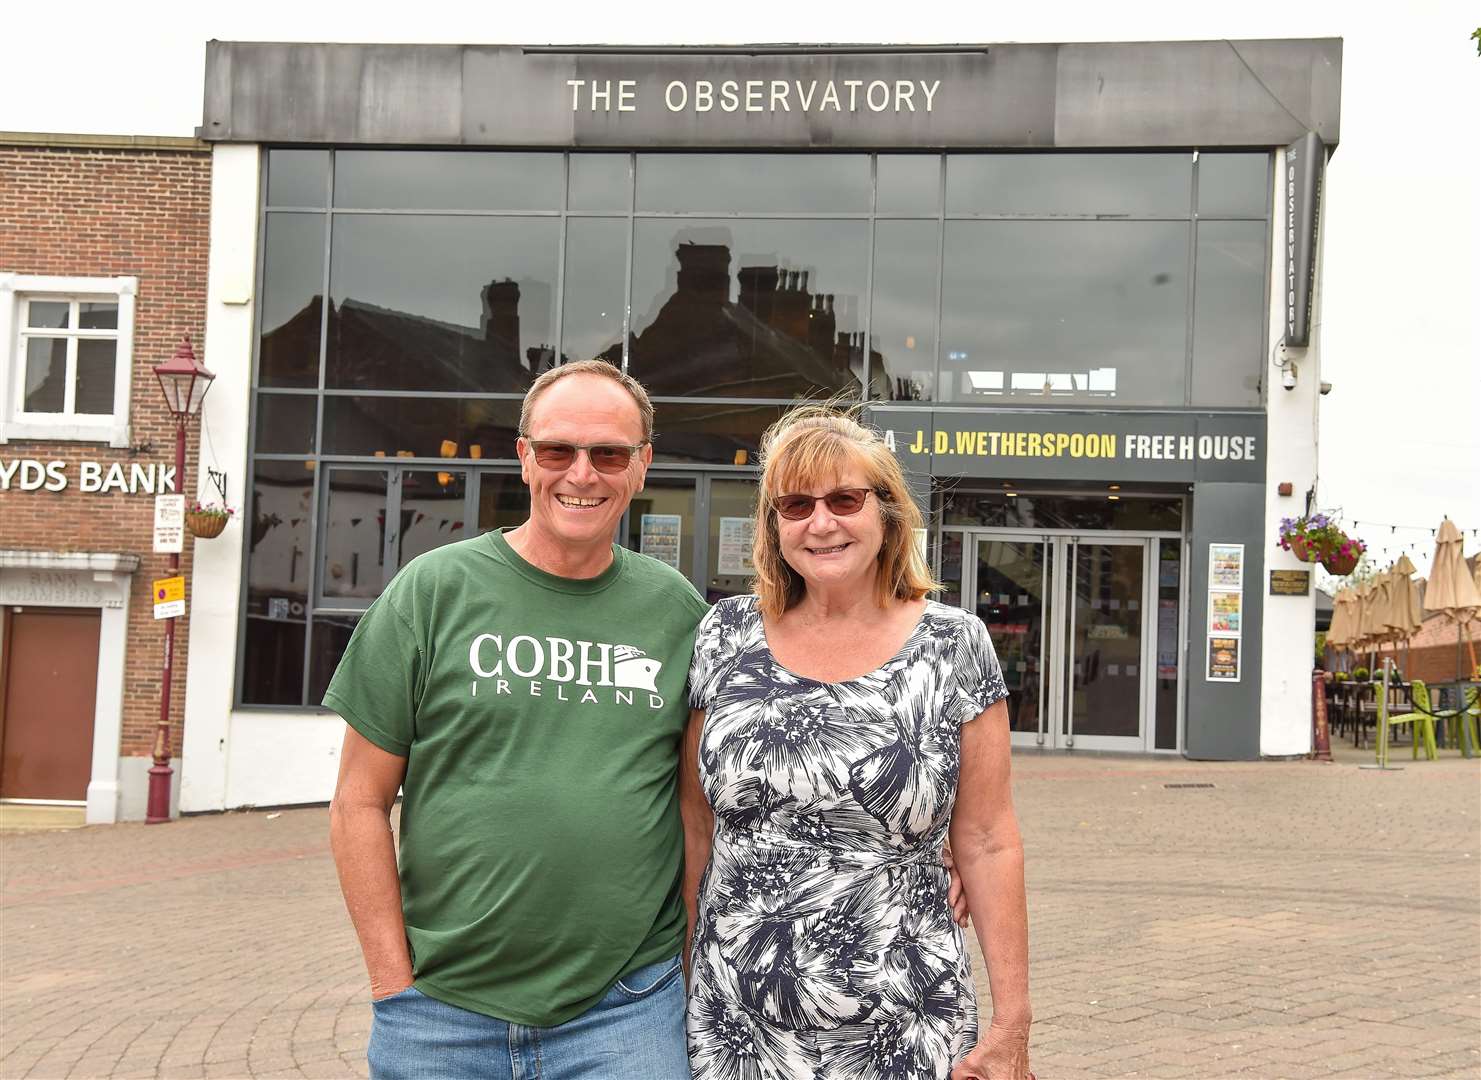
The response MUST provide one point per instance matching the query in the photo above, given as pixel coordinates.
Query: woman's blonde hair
(817, 444)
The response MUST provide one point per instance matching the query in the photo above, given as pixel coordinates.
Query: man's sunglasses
(604, 457)
(845, 502)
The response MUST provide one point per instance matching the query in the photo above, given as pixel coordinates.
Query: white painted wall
(1287, 644)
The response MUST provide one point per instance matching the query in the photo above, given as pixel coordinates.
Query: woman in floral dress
(844, 727)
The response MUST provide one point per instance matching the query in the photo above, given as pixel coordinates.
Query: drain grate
(1186, 785)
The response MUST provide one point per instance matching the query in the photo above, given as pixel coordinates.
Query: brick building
(103, 265)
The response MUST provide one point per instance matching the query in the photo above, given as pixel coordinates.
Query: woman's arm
(699, 822)
(989, 856)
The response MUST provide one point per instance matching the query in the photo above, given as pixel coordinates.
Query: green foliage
(1341, 676)
(1360, 674)
(1476, 37)
(1321, 648)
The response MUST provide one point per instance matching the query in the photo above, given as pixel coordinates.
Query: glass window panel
(46, 375)
(442, 303)
(1234, 184)
(908, 184)
(418, 427)
(95, 370)
(297, 177)
(353, 536)
(596, 279)
(732, 530)
(1044, 312)
(668, 534)
(1169, 588)
(710, 434)
(754, 183)
(286, 423)
(292, 300)
(600, 182)
(902, 358)
(1031, 511)
(331, 639)
(277, 583)
(759, 309)
(1074, 184)
(97, 315)
(49, 314)
(447, 180)
(1229, 312)
(503, 500)
(432, 511)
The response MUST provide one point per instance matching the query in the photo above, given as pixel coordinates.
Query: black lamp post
(184, 381)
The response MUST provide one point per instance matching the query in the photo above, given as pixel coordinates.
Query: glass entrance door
(1068, 617)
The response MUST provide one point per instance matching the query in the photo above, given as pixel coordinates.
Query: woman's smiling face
(828, 549)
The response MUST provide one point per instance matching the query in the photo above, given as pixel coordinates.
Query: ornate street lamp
(184, 381)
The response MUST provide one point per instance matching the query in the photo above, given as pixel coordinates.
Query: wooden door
(48, 694)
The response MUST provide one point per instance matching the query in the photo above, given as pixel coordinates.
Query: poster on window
(736, 536)
(1223, 659)
(1223, 612)
(1167, 639)
(1226, 567)
(658, 537)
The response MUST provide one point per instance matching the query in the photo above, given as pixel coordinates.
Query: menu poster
(659, 537)
(1223, 659)
(1226, 566)
(737, 534)
(1223, 612)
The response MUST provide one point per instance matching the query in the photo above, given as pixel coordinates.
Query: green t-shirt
(541, 845)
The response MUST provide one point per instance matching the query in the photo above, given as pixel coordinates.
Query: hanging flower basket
(1343, 561)
(207, 520)
(1316, 538)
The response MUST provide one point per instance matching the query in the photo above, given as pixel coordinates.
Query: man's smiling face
(578, 508)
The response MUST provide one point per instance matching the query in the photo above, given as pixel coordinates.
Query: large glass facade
(409, 297)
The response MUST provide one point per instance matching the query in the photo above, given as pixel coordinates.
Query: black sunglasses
(604, 457)
(845, 502)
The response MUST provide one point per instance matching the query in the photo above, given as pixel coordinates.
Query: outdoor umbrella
(1403, 616)
(1339, 634)
(1451, 589)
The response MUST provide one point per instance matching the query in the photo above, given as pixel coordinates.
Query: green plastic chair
(1423, 718)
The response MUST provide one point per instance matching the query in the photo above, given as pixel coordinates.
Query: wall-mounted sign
(1031, 444)
(133, 478)
(1301, 199)
(169, 598)
(169, 524)
(1290, 583)
(1225, 611)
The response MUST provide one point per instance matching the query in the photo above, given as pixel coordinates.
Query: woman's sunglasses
(845, 502)
(604, 457)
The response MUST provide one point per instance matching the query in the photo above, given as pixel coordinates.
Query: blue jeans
(637, 1029)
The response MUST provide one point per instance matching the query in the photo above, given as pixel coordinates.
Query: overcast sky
(1401, 431)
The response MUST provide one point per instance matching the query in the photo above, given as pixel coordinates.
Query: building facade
(102, 273)
(1077, 286)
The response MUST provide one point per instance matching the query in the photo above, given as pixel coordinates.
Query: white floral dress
(825, 948)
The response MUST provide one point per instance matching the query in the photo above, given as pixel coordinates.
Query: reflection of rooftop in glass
(985, 380)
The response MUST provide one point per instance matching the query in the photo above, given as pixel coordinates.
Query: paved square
(1275, 919)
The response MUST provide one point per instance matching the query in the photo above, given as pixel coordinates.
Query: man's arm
(365, 856)
(699, 822)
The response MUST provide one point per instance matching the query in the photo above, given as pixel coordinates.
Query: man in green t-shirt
(525, 692)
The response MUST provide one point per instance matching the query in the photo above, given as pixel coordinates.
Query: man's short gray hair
(588, 367)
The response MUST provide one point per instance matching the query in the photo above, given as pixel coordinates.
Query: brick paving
(1293, 920)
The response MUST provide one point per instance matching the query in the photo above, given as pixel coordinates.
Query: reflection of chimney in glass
(499, 322)
(822, 325)
(704, 269)
(758, 286)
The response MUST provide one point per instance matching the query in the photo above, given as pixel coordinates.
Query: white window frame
(15, 423)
